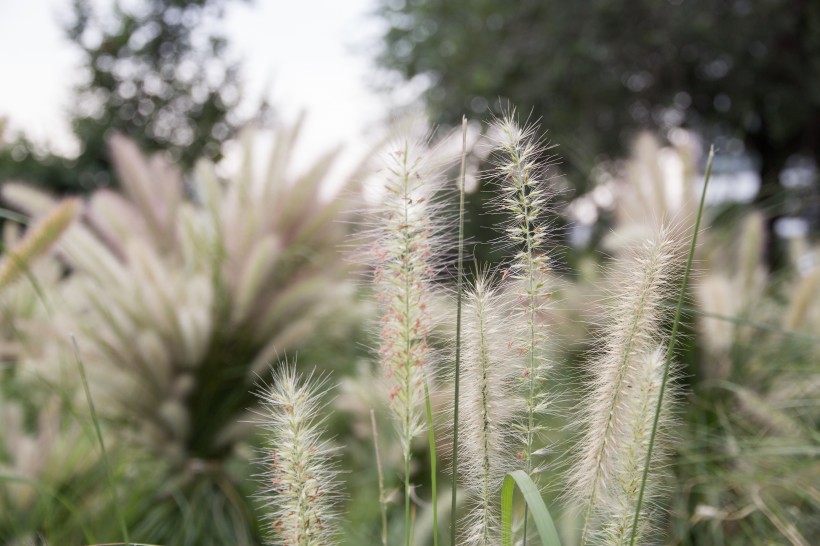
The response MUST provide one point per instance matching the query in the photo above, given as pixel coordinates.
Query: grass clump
(177, 318)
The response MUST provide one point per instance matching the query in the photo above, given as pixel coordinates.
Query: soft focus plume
(617, 415)
(490, 407)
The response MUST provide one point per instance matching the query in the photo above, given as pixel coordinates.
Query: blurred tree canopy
(597, 71)
(157, 71)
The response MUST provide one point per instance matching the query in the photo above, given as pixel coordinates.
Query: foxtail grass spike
(488, 411)
(301, 485)
(40, 237)
(626, 374)
(406, 238)
(520, 170)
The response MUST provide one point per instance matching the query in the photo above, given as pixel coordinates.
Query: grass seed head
(301, 487)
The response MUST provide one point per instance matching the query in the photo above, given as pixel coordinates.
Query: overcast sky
(313, 55)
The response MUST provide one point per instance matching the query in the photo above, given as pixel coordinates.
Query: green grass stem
(671, 347)
(382, 498)
(431, 435)
(408, 526)
(109, 474)
(459, 281)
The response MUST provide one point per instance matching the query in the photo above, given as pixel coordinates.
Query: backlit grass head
(406, 241)
(491, 409)
(521, 176)
(618, 411)
(36, 242)
(301, 489)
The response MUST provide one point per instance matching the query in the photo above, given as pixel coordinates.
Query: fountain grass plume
(407, 233)
(488, 410)
(37, 241)
(406, 238)
(521, 163)
(617, 512)
(626, 371)
(301, 487)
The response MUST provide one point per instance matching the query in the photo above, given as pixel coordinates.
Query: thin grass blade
(460, 277)
(671, 347)
(106, 462)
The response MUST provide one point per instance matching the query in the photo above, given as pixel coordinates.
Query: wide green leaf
(535, 504)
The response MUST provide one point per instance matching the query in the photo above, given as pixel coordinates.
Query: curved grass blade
(7, 214)
(535, 504)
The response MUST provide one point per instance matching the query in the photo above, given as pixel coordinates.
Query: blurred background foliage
(157, 71)
(742, 73)
(182, 280)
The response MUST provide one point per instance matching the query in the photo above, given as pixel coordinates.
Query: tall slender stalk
(408, 528)
(431, 437)
(671, 347)
(106, 462)
(457, 364)
(382, 498)
(408, 401)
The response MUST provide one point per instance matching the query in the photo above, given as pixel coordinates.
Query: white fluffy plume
(490, 409)
(619, 410)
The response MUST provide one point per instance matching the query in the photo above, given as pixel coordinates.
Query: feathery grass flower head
(301, 487)
(490, 409)
(407, 234)
(37, 241)
(626, 371)
(521, 166)
(635, 416)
